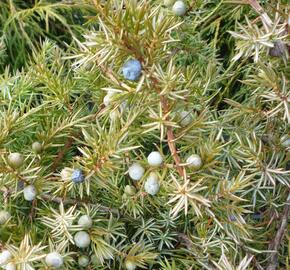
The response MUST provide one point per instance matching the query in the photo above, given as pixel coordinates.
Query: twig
(61, 154)
(50, 198)
(33, 210)
(171, 138)
(276, 242)
(258, 8)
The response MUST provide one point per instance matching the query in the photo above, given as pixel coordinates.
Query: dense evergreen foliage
(144, 134)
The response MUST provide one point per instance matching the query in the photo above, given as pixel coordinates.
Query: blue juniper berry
(132, 70)
(232, 218)
(77, 176)
(257, 216)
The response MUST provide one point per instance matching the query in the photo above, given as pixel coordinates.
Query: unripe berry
(95, 260)
(194, 161)
(82, 239)
(83, 260)
(65, 173)
(85, 221)
(4, 216)
(155, 159)
(5, 256)
(130, 190)
(54, 259)
(152, 185)
(179, 8)
(29, 193)
(108, 97)
(130, 265)
(168, 3)
(185, 118)
(107, 100)
(132, 70)
(136, 171)
(10, 266)
(77, 176)
(36, 147)
(15, 160)
(285, 141)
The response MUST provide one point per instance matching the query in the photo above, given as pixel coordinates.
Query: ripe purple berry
(132, 70)
(278, 50)
(257, 216)
(77, 176)
(232, 218)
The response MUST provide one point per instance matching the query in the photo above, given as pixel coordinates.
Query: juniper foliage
(214, 87)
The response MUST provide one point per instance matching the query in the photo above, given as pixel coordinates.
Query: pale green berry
(130, 190)
(29, 193)
(82, 239)
(108, 98)
(185, 118)
(36, 147)
(54, 259)
(5, 256)
(130, 265)
(15, 160)
(95, 260)
(4, 216)
(194, 161)
(83, 260)
(152, 185)
(285, 141)
(66, 173)
(179, 8)
(85, 221)
(155, 159)
(136, 171)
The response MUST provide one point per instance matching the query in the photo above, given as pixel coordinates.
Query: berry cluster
(136, 172)
(155, 159)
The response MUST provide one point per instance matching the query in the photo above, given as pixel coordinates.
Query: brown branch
(61, 154)
(32, 210)
(276, 242)
(171, 138)
(50, 198)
